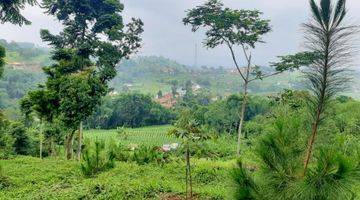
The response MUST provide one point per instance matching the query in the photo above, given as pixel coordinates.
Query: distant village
(169, 99)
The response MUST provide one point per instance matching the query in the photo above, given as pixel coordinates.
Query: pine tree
(10, 11)
(330, 38)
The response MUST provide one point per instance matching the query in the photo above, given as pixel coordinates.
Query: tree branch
(234, 59)
(266, 76)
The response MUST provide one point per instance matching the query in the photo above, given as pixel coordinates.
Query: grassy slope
(32, 178)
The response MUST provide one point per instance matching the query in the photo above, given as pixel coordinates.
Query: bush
(120, 152)
(4, 180)
(6, 145)
(6, 141)
(205, 175)
(22, 144)
(145, 155)
(122, 133)
(96, 159)
(217, 148)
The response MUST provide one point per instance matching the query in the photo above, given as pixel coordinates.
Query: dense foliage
(280, 151)
(130, 110)
(222, 116)
(96, 159)
(10, 11)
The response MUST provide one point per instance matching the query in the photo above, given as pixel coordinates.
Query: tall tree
(330, 38)
(238, 28)
(86, 52)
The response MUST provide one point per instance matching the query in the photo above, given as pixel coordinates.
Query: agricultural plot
(149, 136)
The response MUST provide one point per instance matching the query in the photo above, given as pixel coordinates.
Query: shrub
(145, 155)
(217, 148)
(97, 159)
(120, 152)
(205, 175)
(6, 145)
(4, 180)
(22, 144)
(122, 133)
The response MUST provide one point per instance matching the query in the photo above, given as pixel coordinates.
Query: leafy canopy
(224, 25)
(10, 11)
(86, 52)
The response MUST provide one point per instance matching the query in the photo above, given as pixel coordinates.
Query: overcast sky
(165, 34)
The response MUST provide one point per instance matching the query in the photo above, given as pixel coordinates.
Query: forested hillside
(25, 55)
(147, 75)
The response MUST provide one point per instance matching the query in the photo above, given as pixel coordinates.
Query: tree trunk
(69, 145)
(311, 141)
(190, 179)
(52, 148)
(80, 142)
(241, 122)
(320, 105)
(188, 175)
(41, 139)
(41, 147)
(243, 106)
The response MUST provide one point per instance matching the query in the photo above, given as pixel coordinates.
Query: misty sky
(165, 34)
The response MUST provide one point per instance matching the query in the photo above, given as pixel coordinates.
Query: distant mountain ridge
(25, 55)
(149, 74)
(152, 64)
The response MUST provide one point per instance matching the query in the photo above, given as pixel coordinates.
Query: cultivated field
(150, 136)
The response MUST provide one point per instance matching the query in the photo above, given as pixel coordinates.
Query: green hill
(25, 56)
(144, 74)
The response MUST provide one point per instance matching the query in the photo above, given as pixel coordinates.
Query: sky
(165, 35)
